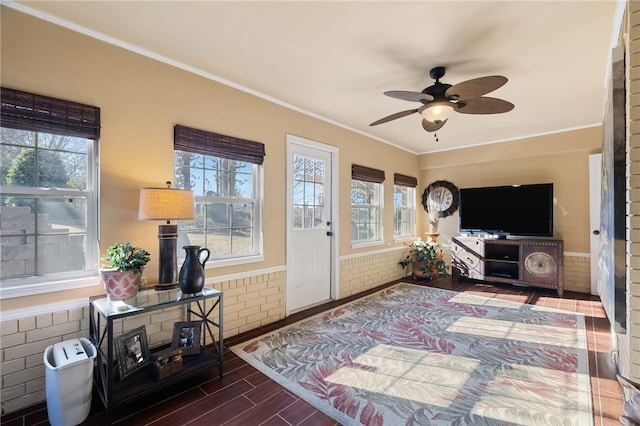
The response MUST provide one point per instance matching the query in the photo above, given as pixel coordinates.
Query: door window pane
(308, 192)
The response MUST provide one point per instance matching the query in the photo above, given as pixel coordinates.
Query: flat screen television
(521, 210)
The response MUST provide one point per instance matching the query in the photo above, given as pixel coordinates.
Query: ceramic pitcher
(191, 277)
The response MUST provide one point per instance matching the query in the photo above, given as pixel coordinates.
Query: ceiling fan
(440, 100)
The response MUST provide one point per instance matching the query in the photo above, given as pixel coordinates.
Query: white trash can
(69, 381)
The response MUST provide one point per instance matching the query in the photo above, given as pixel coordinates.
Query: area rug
(413, 355)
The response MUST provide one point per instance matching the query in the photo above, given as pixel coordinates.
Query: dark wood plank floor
(245, 396)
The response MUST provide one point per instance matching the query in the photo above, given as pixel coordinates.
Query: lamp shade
(166, 204)
(437, 112)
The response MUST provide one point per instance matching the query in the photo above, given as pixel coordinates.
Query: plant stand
(417, 273)
(102, 316)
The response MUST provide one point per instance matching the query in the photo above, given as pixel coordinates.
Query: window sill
(367, 244)
(404, 239)
(21, 289)
(219, 263)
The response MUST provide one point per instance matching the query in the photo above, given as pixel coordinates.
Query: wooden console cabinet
(535, 263)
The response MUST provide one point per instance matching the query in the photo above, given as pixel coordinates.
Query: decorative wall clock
(540, 264)
(449, 197)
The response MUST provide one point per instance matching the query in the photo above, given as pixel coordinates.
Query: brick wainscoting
(250, 302)
(577, 272)
(362, 272)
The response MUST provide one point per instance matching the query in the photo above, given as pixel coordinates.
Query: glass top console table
(103, 313)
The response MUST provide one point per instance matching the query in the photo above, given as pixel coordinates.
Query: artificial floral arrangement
(427, 259)
(122, 272)
(125, 257)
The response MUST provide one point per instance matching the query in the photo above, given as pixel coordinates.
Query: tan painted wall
(562, 159)
(141, 99)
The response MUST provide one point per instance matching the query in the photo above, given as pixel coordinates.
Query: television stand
(535, 263)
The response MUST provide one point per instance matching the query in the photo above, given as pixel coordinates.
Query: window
(48, 206)
(404, 203)
(308, 192)
(225, 175)
(366, 204)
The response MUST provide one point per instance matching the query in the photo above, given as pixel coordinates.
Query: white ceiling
(334, 59)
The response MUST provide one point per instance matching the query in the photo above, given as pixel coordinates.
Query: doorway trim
(595, 185)
(335, 225)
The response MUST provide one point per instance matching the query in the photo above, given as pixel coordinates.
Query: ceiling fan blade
(409, 96)
(485, 105)
(432, 127)
(476, 87)
(394, 116)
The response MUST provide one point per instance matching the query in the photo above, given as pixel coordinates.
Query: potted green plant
(426, 259)
(122, 271)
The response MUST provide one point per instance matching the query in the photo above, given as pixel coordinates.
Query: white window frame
(26, 286)
(216, 259)
(409, 209)
(380, 209)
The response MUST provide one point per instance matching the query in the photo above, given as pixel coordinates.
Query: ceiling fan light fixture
(440, 100)
(437, 112)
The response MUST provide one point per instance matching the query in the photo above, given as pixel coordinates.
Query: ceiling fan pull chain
(435, 135)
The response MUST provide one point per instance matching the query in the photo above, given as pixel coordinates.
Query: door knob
(596, 232)
(329, 233)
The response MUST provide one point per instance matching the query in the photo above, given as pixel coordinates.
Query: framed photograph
(186, 336)
(132, 351)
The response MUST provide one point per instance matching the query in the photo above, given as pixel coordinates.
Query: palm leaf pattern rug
(413, 355)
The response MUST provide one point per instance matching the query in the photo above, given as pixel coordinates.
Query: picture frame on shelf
(132, 351)
(186, 336)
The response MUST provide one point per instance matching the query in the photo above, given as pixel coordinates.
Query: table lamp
(166, 204)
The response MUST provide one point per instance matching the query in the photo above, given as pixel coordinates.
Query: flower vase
(120, 285)
(432, 237)
(191, 276)
(417, 270)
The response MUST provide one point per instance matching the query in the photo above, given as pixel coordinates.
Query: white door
(310, 227)
(595, 179)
